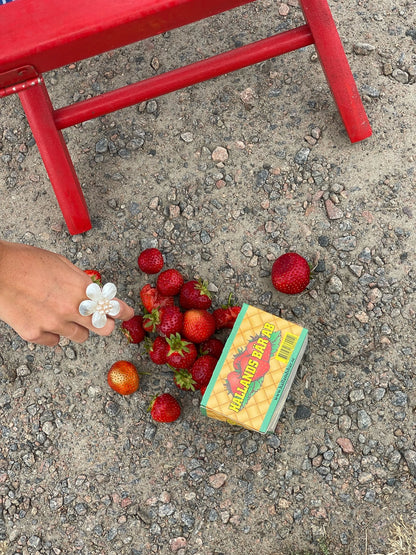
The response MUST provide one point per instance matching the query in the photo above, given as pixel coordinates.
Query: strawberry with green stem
(182, 353)
(183, 379)
(226, 315)
(95, 276)
(195, 294)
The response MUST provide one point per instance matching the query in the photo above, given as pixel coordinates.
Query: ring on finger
(100, 303)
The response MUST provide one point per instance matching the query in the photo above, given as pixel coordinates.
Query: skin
(40, 292)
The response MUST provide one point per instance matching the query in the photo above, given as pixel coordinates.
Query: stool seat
(42, 35)
(48, 34)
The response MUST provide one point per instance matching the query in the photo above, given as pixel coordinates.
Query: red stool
(42, 35)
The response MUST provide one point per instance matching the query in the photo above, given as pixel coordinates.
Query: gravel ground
(223, 177)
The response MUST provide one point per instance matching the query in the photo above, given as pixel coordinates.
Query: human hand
(40, 293)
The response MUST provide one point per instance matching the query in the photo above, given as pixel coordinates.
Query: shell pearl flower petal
(100, 303)
(115, 308)
(94, 292)
(99, 320)
(86, 308)
(109, 291)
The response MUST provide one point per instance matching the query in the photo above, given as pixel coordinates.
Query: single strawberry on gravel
(133, 329)
(123, 377)
(290, 273)
(165, 408)
(169, 282)
(198, 325)
(150, 261)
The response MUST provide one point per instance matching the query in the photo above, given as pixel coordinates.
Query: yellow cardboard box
(253, 377)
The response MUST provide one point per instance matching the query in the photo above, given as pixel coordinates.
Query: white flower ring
(100, 303)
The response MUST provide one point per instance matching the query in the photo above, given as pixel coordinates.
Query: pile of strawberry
(178, 324)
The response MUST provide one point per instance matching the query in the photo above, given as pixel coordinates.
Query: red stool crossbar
(42, 35)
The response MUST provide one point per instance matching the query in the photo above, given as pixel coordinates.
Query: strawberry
(182, 353)
(183, 379)
(150, 261)
(151, 320)
(202, 370)
(171, 320)
(158, 350)
(226, 315)
(203, 389)
(169, 282)
(123, 377)
(198, 325)
(290, 273)
(212, 346)
(133, 329)
(165, 408)
(95, 276)
(151, 298)
(195, 294)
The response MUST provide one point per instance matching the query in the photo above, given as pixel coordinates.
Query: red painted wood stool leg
(336, 68)
(51, 144)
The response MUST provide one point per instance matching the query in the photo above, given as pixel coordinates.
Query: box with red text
(256, 370)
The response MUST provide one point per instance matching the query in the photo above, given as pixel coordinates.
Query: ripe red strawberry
(169, 282)
(212, 346)
(165, 408)
(198, 325)
(290, 273)
(151, 298)
(202, 370)
(203, 389)
(158, 350)
(133, 329)
(183, 379)
(151, 320)
(226, 315)
(95, 276)
(182, 353)
(171, 320)
(150, 261)
(195, 294)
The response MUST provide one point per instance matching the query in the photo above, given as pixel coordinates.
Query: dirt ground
(83, 470)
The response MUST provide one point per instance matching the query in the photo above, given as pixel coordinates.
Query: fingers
(75, 332)
(44, 338)
(126, 312)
